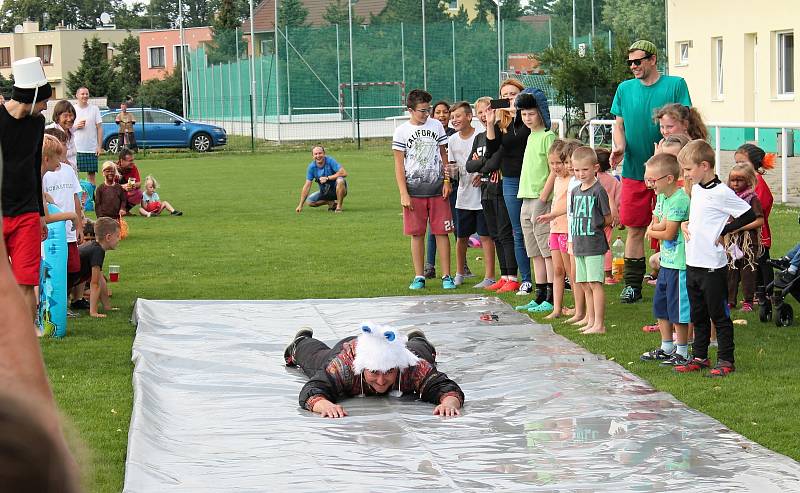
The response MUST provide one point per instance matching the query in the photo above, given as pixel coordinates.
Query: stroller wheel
(785, 316)
(765, 311)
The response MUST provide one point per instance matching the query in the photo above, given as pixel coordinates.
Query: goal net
(371, 100)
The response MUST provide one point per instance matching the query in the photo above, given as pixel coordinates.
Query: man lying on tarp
(377, 362)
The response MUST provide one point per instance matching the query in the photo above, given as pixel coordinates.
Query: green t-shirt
(636, 103)
(673, 208)
(534, 164)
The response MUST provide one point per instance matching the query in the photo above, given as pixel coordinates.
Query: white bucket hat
(29, 73)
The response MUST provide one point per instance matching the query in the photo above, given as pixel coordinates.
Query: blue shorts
(671, 300)
(469, 222)
(317, 196)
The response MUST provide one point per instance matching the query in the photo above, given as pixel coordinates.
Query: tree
(163, 93)
(487, 9)
(133, 16)
(410, 11)
(127, 68)
(226, 35)
(6, 85)
(562, 18)
(337, 13)
(639, 19)
(539, 7)
(292, 13)
(94, 71)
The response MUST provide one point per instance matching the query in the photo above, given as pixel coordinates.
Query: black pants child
(708, 299)
(499, 225)
(313, 355)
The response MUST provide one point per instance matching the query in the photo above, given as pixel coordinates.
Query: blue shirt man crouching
(332, 185)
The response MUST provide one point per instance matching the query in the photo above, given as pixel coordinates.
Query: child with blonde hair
(152, 205)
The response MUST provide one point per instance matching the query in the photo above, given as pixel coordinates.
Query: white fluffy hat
(381, 348)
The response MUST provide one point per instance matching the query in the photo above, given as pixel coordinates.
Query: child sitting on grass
(151, 202)
(109, 197)
(92, 255)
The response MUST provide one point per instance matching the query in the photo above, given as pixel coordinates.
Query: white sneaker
(483, 284)
(525, 289)
(458, 280)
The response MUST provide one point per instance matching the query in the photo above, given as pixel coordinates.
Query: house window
(785, 62)
(156, 57)
(5, 57)
(177, 52)
(718, 68)
(45, 52)
(452, 4)
(683, 52)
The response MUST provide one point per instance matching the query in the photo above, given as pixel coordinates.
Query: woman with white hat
(21, 133)
(378, 361)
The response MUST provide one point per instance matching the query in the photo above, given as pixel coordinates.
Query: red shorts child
(23, 238)
(436, 209)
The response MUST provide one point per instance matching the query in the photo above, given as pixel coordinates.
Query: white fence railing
(783, 126)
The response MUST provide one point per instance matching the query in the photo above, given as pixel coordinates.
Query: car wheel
(112, 145)
(201, 142)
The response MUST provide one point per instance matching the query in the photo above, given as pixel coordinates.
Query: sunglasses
(651, 182)
(637, 62)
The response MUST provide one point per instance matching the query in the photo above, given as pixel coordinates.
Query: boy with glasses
(635, 136)
(420, 154)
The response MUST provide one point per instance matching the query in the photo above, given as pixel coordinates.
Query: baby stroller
(783, 285)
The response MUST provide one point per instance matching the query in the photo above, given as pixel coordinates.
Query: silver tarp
(215, 410)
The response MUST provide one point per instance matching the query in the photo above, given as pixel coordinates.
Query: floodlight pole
(352, 84)
(499, 49)
(574, 28)
(183, 59)
(252, 75)
(277, 71)
(592, 22)
(424, 50)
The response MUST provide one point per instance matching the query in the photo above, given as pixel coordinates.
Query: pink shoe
(652, 282)
(611, 281)
(650, 328)
(747, 306)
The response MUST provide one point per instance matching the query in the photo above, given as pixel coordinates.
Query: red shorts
(23, 239)
(636, 204)
(435, 209)
(73, 258)
(153, 206)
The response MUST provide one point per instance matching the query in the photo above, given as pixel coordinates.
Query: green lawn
(241, 239)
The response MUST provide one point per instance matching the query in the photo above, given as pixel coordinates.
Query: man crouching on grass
(377, 362)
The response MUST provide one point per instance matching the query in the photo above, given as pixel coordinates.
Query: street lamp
(352, 84)
(424, 51)
(183, 59)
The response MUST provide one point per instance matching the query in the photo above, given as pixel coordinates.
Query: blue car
(161, 128)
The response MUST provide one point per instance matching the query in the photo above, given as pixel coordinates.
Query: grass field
(241, 239)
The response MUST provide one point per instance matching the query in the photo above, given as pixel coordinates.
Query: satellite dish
(105, 18)
(18, 28)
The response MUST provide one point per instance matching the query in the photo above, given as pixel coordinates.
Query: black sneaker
(80, 304)
(630, 295)
(418, 334)
(657, 354)
(288, 353)
(675, 360)
(429, 272)
(176, 212)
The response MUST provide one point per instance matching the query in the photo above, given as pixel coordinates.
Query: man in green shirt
(635, 136)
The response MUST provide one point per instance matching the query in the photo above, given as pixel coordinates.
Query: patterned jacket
(338, 379)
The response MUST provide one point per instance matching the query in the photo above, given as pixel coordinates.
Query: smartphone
(499, 103)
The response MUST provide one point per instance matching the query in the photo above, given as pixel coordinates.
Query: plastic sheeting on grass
(215, 410)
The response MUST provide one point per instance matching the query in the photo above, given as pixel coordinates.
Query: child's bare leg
(558, 284)
(167, 206)
(577, 294)
(599, 301)
(588, 320)
(487, 245)
(539, 269)
(461, 254)
(143, 212)
(665, 330)
(417, 253)
(442, 251)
